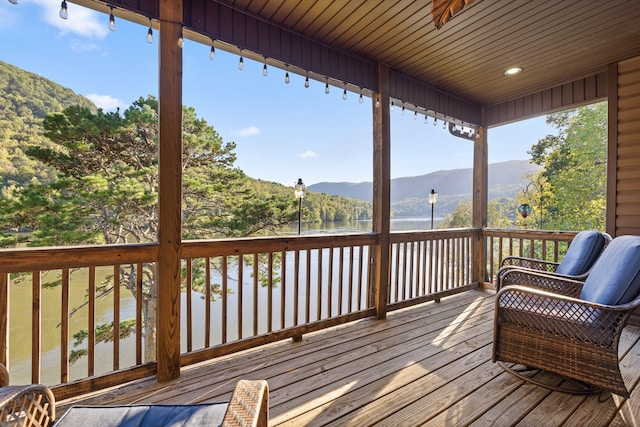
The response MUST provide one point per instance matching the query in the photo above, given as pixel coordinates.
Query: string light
(326, 85)
(415, 115)
(241, 63)
(444, 125)
(377, 101)
(181, 40)
(360, 100)
(306, 81)
(212, 53)
(64, 12)
(344, 94)
(403, 109)
(112, 20)
(435, 121)
(150, 33)
(393, 106)
(264, 70)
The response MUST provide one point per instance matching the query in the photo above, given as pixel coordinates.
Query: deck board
(425, 365)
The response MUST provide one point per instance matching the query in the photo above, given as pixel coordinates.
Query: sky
(282, 131)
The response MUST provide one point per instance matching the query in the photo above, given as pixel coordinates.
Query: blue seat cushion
(615, 278)
(205, 415)
(584, 250)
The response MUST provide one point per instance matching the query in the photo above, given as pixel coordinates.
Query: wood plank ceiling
(554, 41)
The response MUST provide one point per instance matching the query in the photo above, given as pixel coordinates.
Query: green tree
(461, 217)
(106, 192)
(575, 164)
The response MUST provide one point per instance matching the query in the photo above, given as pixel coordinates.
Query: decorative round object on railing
(525, 209)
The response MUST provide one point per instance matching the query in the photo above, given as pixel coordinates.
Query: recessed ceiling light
(512, 71)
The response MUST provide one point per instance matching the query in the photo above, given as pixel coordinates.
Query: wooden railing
(546, 245)
(260, 290)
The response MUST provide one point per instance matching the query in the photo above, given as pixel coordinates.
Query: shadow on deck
(425, 365)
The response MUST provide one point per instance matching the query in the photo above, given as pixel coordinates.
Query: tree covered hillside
(25, 100)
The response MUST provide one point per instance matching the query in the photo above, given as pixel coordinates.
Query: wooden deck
(425, 365)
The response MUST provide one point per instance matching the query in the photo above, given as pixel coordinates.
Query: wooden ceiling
(554, 41)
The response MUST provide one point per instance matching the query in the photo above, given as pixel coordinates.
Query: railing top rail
(401, 236)
(47, 258)
(220, 247)
(566, 236)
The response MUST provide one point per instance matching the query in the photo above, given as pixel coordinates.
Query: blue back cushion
(584, 250)
(615, 278)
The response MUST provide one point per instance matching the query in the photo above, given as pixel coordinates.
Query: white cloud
(79, 46)
(250, 131)
(308, 155)
(106, 102)
(82, 21)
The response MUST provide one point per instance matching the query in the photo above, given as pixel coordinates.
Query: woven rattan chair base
(576, 387)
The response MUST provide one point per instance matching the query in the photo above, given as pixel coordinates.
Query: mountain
(408, 194)
(25, 99)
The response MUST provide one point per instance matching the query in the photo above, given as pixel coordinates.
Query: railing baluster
(296, 283)
(64, 328)
(319, 289)
(283, 289)
(340, 280)
(241, 292)
(116, 317)
(207, 303)
(36, 333)
(91, 344)
(308, 287)
(360, 270)
(411, 260)
(350, 304)
(256, 271)
(224, 297)
(270, 292)
(330, 284)
(139, 277)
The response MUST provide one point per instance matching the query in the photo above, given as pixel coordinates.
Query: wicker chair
(569, 327)
(584, 250)
(25, 405)
(34, 406)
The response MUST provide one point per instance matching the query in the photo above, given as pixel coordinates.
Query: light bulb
(150, 34)
(64, 13)
(477, 135)
(326, 86)
(287, 79)
(403, 110)
(393, 106)
(415, 115)
(212, 54)
(360, 100)
(435, 121)
(264, 70)
(306, 81)
(426, 119)
(112, 21)
(13, 1)
(241, 63)
(377, 102)
(181, 40)
(444, 125)
(344, 94)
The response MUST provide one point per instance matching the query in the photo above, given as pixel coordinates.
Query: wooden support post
(612, 150)
(170, 190)
(381, 192)
(480, 194)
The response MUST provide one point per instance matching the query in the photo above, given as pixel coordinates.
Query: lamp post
(525, 208)
(299, 193)
(433, 196)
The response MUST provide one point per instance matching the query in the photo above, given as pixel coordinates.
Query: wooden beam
(170, 190)
(480, 195)
(381, 192)
(612, 150)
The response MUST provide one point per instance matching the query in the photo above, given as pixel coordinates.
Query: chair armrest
(562, 315)
(555, 283)
(249, 405)
(27, 405)
(534, 264)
